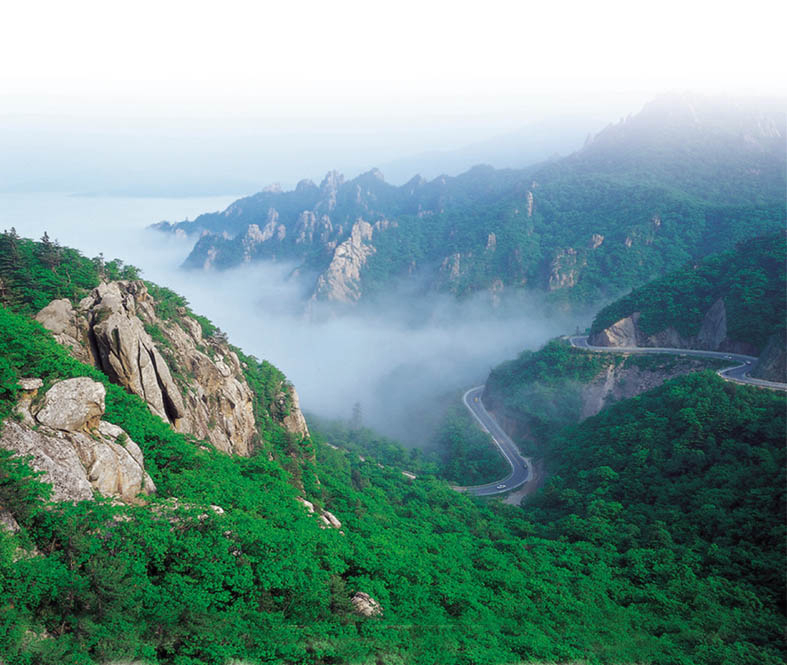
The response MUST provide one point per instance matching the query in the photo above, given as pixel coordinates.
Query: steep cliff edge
(712, 335)
(193, 381)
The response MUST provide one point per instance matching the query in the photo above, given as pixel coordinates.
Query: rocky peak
(111, 329)
(305, 185)
(341, 281)
(332, 181)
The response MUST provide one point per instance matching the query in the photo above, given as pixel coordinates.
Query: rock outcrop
(365, 605)
(565, 268)
(623, 381)
(341, 282)
(329, 520)
(77, 452)
(712, 335)
(772, 363)
(622, 377)
(73, 405)
(113, 329)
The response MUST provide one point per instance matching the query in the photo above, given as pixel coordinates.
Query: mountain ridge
(670, 183)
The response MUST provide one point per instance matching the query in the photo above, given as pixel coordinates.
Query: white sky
(354, 58)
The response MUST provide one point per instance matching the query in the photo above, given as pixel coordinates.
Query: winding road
(522, 468)
(738, 372)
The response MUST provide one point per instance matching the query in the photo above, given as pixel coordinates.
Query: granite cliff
(193, 381)
(76, 451)
(712, 335)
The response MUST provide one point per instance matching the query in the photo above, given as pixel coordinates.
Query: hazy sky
(225, 97)
(282, 58)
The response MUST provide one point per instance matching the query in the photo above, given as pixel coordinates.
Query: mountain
(550, 138)
(135, 530)
(684, 177)
(732, 301)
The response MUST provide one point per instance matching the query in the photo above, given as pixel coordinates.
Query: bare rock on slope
(77, 452)
(341, 281)
(365, 605)
(211, 400)
(712, 335)
(73, 405)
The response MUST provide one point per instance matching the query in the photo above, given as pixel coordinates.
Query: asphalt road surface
(738, 372)
(520, 466)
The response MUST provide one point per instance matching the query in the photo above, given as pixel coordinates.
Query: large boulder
(365, 605)
(73, 405)
(76, 451)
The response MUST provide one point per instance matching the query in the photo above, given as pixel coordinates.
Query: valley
(268, 449)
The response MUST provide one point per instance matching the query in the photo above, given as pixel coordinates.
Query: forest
(749, 278)
(657, 538)
(646, 196)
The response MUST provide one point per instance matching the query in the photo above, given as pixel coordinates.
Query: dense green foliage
(358, 440)
(542, 391)
(457, 451)
(617, 571)
(467, 454)
(750, 279)
(659, 537)
(683, 489)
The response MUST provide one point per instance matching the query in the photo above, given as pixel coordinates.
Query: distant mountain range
(684, 177)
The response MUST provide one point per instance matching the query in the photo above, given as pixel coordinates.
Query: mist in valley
(403, 359)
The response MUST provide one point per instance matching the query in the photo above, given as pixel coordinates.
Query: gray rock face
(620, 333)
(565, 268)
(68, 327)
(618, 382)
(77, 452)
(8, 521)
(294, 421)
(214, 403)
(365, 605)
(341, 282)
(126, 352)
(73, 405)
(772, 363)
(712, 335)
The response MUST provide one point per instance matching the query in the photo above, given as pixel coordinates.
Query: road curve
(521, 468)
(739, 372)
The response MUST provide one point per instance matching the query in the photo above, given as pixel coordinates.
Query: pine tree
(356, 422)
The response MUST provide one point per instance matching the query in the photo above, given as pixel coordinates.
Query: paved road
(739, 372)
(521, 468)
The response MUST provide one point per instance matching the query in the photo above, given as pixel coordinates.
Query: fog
(195, 99)
(188, 156)
(401, 359)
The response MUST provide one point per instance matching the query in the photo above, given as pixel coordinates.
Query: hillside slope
(733, 301)
(214, 557)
